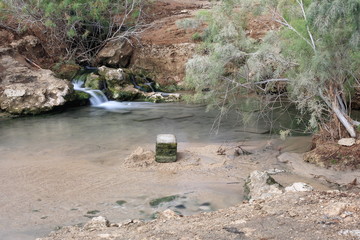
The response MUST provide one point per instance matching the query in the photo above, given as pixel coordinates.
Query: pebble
(347, 142)
(274, 171)
(104, 235)
(352, 233)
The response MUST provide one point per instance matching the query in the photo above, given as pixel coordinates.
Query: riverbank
(325, 213)
(315, 215)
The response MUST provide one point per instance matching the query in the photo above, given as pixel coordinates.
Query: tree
(323, 37)
(317, 52)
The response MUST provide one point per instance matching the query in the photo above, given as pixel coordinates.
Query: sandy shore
(201, 177)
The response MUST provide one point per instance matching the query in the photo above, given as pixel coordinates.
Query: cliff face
(163, 48)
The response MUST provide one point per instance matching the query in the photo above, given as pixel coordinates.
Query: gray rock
(163, 97)
(112, 74)
(27, 91)
(97, 223)
(299, 187)
(260, 185)
(274, 171)
(352, 233)
(347, 142)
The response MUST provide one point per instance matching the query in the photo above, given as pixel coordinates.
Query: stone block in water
(166, 148)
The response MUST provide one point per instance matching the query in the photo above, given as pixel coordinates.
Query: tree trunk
(344, 121)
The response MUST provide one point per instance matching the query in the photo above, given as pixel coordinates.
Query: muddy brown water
(62, 169)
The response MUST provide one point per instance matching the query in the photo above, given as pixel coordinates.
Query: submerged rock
(156, 202)
(24, 90)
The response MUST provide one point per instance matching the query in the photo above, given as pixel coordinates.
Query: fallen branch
(32, 63)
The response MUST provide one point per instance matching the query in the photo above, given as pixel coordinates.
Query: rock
(66, 70)
(299, 187)
(166, 61)
(156, 202)
(158, 97)
(352, 233)
(347, 142)
(97, 223)
(274, 171)
(27, 91)
(168, 214)
(166, 148)
(116, 80)
(27, 42)
(128, 93)
(335, 209)
(120, 202)
(115, 54)
(260, 185)
(283, 158)
(112, 74)
(105, 236)
(94, 81)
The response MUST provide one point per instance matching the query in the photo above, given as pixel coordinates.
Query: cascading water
(97, 96)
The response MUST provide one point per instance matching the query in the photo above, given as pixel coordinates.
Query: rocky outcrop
(127, 85)
(165, 62)
(27, 90)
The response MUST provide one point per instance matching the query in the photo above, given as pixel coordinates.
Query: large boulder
(27, 90)
(115, 54)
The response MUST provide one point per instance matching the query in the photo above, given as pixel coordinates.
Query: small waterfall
(99, 100)
(97, 96)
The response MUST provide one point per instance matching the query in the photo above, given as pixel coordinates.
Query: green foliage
(317, 50)
(82, 26)
(188, 23)
(197, 36)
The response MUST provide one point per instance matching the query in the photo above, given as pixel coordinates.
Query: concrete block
(166, 148)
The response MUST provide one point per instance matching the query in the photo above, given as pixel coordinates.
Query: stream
(64, 168)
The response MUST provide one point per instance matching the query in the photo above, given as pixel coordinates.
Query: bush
(81, 27)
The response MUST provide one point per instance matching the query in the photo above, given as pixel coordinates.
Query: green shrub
(80, 26)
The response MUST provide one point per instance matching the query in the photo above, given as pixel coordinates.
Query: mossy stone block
(165, 159)
(166, 148)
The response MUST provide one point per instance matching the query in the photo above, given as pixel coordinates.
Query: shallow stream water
(61, 169)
